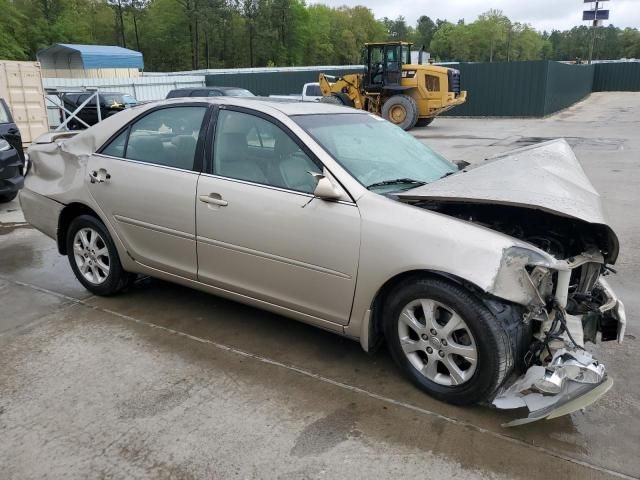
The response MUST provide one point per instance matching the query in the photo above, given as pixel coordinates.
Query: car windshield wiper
(397, 181)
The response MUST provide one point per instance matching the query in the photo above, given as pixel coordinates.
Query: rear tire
(446, 341)
(401, 110)
(7, 197)
(94, 258)
(425, 122)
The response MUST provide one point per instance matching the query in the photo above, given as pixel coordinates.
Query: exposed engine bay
(555, 374)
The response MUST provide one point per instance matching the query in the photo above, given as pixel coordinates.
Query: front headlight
(4, 145)
(524, 275)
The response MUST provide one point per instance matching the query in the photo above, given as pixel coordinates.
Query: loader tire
(401, 110)
(338, 99)
(425, 122)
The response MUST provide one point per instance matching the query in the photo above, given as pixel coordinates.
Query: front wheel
(425, 122)
(94, 258)
(401, 110)
(446, 341)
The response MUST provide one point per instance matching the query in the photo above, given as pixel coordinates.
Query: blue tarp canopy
(91, 56)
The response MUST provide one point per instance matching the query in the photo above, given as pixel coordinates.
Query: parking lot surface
(166, 382)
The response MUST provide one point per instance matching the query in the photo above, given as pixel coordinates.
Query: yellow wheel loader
(402, 92)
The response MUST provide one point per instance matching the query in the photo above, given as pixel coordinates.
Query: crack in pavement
(330, 381)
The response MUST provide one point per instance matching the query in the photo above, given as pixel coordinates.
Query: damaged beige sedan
(485, 283)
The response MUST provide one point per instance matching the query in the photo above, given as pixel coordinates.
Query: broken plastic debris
(570, 377)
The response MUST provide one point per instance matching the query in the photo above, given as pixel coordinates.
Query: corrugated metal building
(65, 60)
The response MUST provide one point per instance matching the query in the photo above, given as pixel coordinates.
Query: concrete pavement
(166, 382)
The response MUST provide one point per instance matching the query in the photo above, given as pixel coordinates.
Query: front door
(261, 233)
(144, 181)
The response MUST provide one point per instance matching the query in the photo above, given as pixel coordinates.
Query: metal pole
(593, 34)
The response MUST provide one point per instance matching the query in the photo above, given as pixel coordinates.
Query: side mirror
(325, 189)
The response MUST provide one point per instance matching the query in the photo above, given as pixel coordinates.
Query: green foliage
(11, 21)
(193, 34)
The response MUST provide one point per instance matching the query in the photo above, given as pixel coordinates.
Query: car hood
(546, 176)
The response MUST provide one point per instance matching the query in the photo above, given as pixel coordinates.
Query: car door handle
(213, 199)
(99, 176)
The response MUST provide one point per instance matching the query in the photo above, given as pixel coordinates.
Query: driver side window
(250, 148)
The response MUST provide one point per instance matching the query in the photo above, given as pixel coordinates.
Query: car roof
(191, 89)
(289, 107)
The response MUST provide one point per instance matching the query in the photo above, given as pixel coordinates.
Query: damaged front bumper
(572, 379)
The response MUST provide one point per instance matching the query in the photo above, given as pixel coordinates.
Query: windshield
(375, 151)
(240, 92)
(117, 98)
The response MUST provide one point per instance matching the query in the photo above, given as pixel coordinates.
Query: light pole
(596, 16)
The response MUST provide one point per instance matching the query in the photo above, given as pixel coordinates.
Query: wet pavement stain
(7, 228)
(327, 432)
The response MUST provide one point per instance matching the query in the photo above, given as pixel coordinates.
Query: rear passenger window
(116, 147)
(166, 137)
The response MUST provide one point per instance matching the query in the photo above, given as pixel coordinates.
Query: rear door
(144, 181)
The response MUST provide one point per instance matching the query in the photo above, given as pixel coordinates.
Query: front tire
(401, 110)
(446, 341)
(94, 258)
(425, 122)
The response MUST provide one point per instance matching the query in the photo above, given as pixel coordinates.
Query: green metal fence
(617, 77)
(500, 89)
(280, 82)
(566, 85)
(522, 89)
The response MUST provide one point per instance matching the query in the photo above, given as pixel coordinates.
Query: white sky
(542, 14)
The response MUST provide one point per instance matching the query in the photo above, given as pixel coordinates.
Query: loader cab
(383, 64)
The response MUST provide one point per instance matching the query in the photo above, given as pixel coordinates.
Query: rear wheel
(446, 340)
(401, 110)
(94, 258)
(425, 122)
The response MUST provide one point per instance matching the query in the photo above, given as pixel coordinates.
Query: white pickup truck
(310, 93)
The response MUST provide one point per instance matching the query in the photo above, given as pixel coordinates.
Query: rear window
(124, 99)
(205, 93)
(239, 92)
(313, 91)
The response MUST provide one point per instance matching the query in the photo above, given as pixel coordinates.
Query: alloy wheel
(91, 255)
(437, 342)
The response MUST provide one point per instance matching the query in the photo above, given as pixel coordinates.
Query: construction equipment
(402, 92)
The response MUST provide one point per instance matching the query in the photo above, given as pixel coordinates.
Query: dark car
(210, 92)
(11, 156)
(110, 104)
